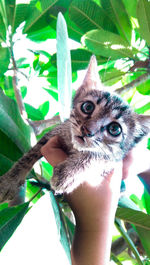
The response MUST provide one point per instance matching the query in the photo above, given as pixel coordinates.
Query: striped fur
(102, 129)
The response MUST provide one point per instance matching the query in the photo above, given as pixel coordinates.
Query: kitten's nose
(86, 132)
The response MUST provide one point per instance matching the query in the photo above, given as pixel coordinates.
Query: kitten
(101, 129)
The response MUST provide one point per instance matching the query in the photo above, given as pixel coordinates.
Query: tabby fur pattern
(101, 130)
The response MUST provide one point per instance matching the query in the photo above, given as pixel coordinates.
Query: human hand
(53, 152)
(133, 162)
(54, 155)
(137, 162)
(96, 196)
(94, 208)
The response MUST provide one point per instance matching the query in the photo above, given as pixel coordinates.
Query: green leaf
(110, 76)
(80, 59)
(125, 202)
(64, 75)
(45, 26)
(60, 226)
(33, 113)
(144, 236)
(21, 63)
(108, 44)
(10, 218)
(47, 170)
(143, 15)
(5, 164)
(9, 10)
(52, 78)
(3, 205)
(7, 86)
(130, 7)
(135, 217)
(144, 88)
(44, 108)
(46, 54)
(137, 201)
(37, 11)
(146, 200)
(32, 190)
(87, 15)
(29, 237)
(2, 29)
(42, 34)
(23, 90)
(9, 153)
(36, 65)
(52, 92)
(74, 31)
(115, 259)
(20, 15)
(132, 76)
(143, 109)
(117, 13)
(129, 241)
(4, 60)
(12, 124)
(71, 228)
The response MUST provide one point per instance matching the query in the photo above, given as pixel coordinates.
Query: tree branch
(141, 79)
(20, 196)
(119, 245)
(15, 86)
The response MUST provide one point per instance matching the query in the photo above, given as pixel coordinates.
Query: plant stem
(15, 82)
(120, 244)
(33, 197)
(141, 79)
(115, 259)
(129, 241)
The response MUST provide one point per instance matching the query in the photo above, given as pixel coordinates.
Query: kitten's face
(101, 122)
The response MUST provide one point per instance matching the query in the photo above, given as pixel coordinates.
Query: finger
(137, 160)
(127, 162)
(52, 151)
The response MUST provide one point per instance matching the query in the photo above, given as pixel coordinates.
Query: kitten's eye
(114, 129)
(87, 107)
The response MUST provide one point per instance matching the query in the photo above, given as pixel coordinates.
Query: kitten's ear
(92, 80)
(144, 120)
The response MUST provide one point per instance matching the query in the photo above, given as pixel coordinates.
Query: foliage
(117, 32)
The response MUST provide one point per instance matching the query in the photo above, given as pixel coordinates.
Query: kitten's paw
(8, 189)
(60, 181)
(57, 179)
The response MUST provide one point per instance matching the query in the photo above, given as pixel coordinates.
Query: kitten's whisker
(103, 150)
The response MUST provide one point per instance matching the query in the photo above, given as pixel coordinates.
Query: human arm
(94, 209)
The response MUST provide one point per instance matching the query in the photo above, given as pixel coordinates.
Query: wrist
(93, 206)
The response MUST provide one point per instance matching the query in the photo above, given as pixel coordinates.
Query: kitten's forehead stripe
(121, 110)
(107, 97)
(99, 101)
